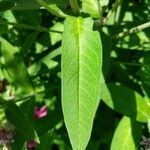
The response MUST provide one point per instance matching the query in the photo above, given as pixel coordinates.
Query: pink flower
(31, 145)
(40, 112)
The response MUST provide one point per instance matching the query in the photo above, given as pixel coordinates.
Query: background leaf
(90, 7)
(144, 73)
(126, 101)
(127, 135)
(21, 122)
(16, 68)
(32, 4)
(6, 5)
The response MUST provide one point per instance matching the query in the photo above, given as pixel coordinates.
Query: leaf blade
(6, 5)
(17, 72)
(20, 121)
(81, 69)
(33, 4)
(127, 135)
(128, 103)
(90, 7)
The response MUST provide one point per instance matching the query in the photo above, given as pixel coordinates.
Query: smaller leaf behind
(127, 135)
(16, 68)
(21, 122)
(90, 7)
(126, 101)
(33, 4)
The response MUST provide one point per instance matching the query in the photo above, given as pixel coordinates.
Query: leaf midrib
(78, 33)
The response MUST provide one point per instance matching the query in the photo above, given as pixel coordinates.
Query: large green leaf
(127, 135)
(16, 68)
(126, 101)
(20, 121)
(81, 73)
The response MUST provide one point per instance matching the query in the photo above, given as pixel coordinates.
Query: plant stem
(115, 6)
(100, 12)
(130, 64)
(127, 63)
(28, 27)
(133, 30)
(24, 98)
(27, 97)
(74, 6)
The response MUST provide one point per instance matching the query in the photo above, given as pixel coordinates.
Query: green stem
(28, 27)
(27, 97)
(133, 30)
(74, 6)
(100, 13)
(24, 98)
(99, 22)
(130, 64)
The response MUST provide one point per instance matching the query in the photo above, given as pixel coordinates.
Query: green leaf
(138, 41)
(52, 8)
(81, 73)
(33, 14)
(126, 101)
(32, 4)
(50, 64)
(56, 11)
(48, 59)
(90, 7)
(6, 5)
(127, 135)
(2, 115)
(148, 125)
(144, 74)
(56, 37)
(16, 67)
(46, 142)
(18, 142)
(29, 40)
(20, 121)
(106, 40)
(104, 3)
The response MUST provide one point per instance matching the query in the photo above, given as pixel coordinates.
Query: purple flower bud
(31, 145)
(40, 112)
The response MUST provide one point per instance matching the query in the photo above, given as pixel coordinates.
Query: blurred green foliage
(30, 62)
